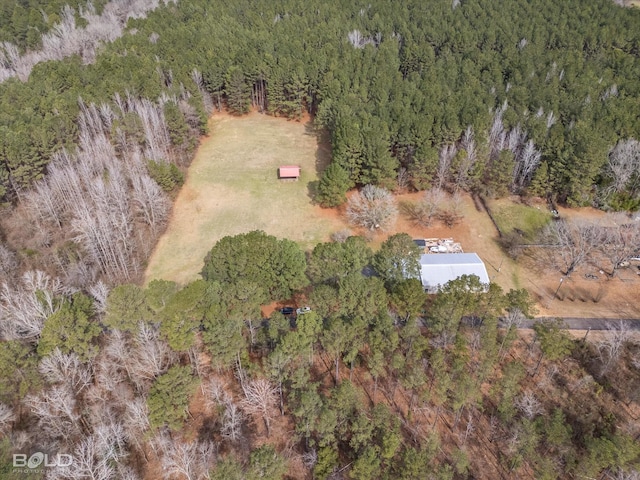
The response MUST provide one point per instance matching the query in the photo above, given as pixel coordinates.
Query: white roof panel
(439, 268)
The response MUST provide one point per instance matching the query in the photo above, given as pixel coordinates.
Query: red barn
(289, 171)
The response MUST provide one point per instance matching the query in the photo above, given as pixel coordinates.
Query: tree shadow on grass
(312, 191)
(323, 143)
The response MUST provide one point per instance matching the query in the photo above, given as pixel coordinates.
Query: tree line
(486, 97)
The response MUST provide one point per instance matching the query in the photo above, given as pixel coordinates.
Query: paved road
(588, 323)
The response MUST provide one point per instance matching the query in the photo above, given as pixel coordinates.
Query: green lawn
(232, 187)
(510, 216)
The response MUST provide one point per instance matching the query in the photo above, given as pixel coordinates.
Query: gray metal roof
(439, 268)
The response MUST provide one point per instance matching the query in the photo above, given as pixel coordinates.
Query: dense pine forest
(394, 84)
(101, 109)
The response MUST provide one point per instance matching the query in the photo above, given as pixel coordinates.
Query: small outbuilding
(437, 270)
(291, 172)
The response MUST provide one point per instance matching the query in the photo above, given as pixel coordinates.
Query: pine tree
(333, 186)
(237, 90)
(168, 399)
(71, 329)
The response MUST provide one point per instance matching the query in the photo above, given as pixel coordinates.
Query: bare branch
(66, 39)
(575, 242)
(188, 461)
(56, 411)
(373, 208)
(24, 307)
(529, 405)
(610, 347)
(66, 369)
(7, 417)
(261, 398)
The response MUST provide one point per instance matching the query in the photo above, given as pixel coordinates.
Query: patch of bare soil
(589, 292)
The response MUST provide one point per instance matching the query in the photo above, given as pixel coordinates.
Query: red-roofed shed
(289, 171)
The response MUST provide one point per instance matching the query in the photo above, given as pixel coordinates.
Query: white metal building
(439, 268)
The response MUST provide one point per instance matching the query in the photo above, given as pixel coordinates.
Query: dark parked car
(287, 310)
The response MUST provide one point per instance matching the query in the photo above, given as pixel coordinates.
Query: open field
(232, 187)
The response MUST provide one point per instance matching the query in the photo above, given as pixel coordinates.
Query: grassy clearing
(232, 187)
(512, 216)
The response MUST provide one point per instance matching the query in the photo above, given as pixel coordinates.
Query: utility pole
(558, 289)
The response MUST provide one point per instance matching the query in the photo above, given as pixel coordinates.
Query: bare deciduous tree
(95, 457)
(622, 474)
(372, 208)
(141, 358)
(232, 420)
(232, 417)
(188, 461)
(151, 202)
(429, 207)
(447, 153)
(526, 156)
(358, 40)
(497, 134)
(66, 369)
(451, 211)
(623, 164)
(403, 178)
(310, 458)
(613, 342)
(136, 421)
(470, 428)
(151, 356)
(511, 322)
(529, 405)
(527, 159)
(66, 38)
(56, 411)
(126, 473)
(115, 355)
(99, 291)
(85, 195)
(261, 398)
(575, 242)
(8, 261)
(7, 417)
(467, 162)
(25, 306)
(620, 243)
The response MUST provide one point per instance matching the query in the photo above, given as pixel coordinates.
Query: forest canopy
(527, 97)
(374, 378)
(356, 371)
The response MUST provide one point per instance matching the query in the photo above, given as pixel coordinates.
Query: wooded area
(491, 97)
(377, 379)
